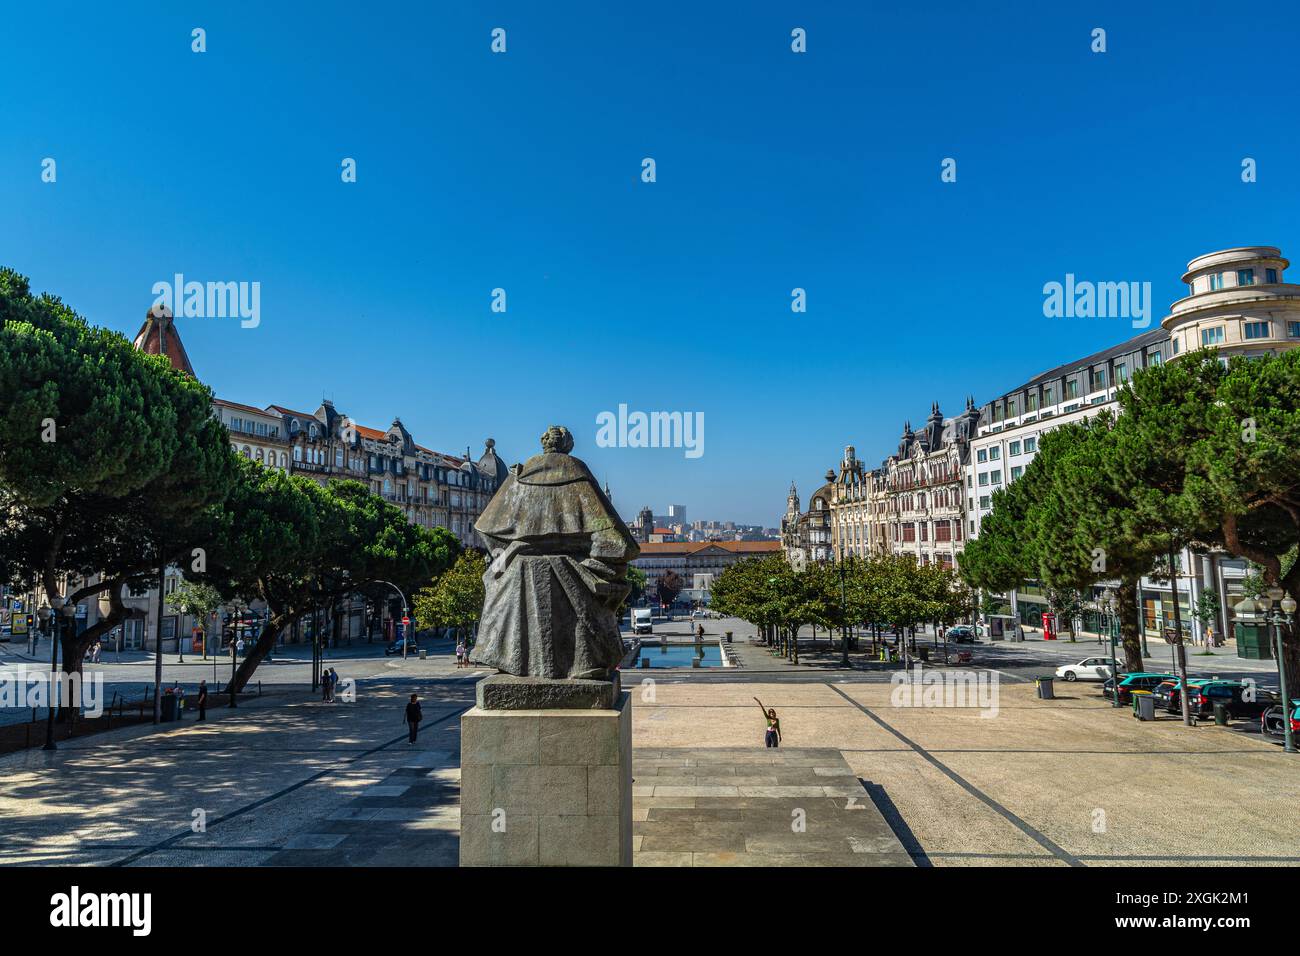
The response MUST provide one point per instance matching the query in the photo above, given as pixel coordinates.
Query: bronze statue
(558, 574)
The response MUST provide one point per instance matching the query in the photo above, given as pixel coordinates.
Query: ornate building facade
(806, 536)
(924, 488)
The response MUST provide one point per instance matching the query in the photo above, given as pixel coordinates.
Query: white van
(641, 620)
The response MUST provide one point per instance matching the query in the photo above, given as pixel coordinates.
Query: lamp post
(1109, 605)
(45, 614)
(844, 616)
(405, 610)
(1283, 606)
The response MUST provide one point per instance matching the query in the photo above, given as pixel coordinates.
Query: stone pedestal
(549, 786)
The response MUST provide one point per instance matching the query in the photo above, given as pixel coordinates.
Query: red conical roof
(158, 336)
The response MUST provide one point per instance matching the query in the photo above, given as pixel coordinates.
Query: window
(1011, 407)
(995, 453)
(1098, 379)
(1031, 445)
(1293, 329)
(1257, 330)
(1013, 448)
(1071, 389)
(1245, 277)
(1212, 336)
(297, 453)
(1121, 372)
(1017, 471)
(1155, 358)
(1031, 402)
(1047, 395)
(982, 456)
(984, 501)
(1270, 276)
(338, 457)
(995, 476)
(1178, 342)
(1216, 282)
(984, 479)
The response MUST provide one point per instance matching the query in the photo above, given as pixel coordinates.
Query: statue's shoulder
(553, 468)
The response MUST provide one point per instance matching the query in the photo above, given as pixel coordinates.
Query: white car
(1090, 668)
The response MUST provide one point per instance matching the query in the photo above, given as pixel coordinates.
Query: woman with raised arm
(773, 736)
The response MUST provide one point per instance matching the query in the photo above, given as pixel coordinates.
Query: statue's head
(557, 439)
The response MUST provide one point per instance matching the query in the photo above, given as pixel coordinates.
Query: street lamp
(844, 616)
(1109, 605)
(45, 613)
(1283, 606)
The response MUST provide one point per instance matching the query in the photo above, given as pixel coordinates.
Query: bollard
(695, 661)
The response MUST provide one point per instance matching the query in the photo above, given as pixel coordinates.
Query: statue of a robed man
(558, 574)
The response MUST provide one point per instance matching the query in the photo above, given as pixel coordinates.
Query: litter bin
(1046, 688)
(728, 637)
(1145, 705)
(1220, 713)
(170, 706)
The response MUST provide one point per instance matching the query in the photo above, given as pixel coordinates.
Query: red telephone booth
(1049, 626)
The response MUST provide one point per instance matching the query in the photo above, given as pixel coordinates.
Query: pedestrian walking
(239, 648)
(699, 631)
(460, 653)
(203, 700)
(334, 683)
(325, 686)
(772, 738)
(413, 717)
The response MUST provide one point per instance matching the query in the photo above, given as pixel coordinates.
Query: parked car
(1131, 682)
(1168, 694)
(1090, 668)
(958, 657)
(961, 634)
(396, 647)
(1242, 702)
(1271, 720)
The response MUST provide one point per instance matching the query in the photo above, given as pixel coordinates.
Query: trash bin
(1046, 689)
(728, 637)
(1220, 713)
(423, 654)
(170, 706)
(1146, 706)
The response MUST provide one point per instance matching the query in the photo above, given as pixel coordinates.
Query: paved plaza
(287, 780)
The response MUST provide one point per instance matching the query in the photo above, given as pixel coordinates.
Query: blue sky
(522, 171)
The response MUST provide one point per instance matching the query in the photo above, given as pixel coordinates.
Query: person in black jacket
(413, 717)
(203, 700)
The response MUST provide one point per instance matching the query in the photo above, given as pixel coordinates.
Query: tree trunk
(1130, 624)
(265, 642)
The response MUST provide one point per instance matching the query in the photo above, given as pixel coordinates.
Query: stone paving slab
(410, 818)
(777, 807)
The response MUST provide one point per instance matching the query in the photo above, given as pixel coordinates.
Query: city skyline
(477, 172)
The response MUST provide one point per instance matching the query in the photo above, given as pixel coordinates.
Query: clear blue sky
(521, 171)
